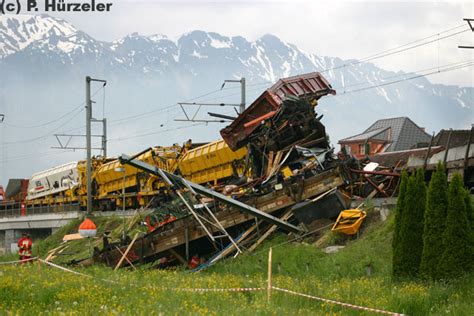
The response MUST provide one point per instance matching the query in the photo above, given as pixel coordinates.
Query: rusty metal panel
(312, 86)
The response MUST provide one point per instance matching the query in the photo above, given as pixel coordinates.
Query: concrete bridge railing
(15, 209)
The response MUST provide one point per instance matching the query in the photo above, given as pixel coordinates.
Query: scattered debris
(349, 221)
(70, 237)
(333, 249)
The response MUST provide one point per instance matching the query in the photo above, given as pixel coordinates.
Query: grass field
(34, 289)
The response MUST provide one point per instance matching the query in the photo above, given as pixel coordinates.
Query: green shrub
(435, 223)
(458, 249)
(411, 230)
(397, 225)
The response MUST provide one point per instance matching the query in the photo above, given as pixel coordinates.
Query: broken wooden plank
(126, 258)
(70, 237)
(126, 252)
(275, 163)
(285, 217)
(270, 164)
(231, 248)
(371, 195)
(52, 252)
(375, 191)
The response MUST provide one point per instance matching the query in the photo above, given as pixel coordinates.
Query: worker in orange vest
(194, 262)
(25, 244)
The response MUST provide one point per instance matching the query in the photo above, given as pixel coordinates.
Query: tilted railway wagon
(54, 186)
(140, 188)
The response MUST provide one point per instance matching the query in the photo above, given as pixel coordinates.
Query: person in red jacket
(25, 244)
(194, 262)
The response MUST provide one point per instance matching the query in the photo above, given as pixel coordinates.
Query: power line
(46, 123)
(237, 93)
(400, 75)
(136, 116)
(52, 121)
(469, 64)
(414, 42)
(172, 107)
(395, 50)
(45, 135)
(155, 132)
(36, 155)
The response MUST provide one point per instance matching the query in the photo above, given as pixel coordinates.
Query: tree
(412, 223)
(396, 233)
(435, 218)
(457, 238)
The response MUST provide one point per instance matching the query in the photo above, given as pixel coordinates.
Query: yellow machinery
(349, 221)
(212, 162)
(209, 163)
(111, 177)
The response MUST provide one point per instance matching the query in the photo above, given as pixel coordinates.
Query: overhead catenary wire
(414, 42)
(409, 78)
(35, 155)
(23, 141)
(154, 132)
(53, 120)
(173, 107)
(405, 74)
(397, 50)
(45, 123)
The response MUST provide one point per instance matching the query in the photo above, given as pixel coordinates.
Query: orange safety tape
(338, 303)
(238, 289)
(18, 261)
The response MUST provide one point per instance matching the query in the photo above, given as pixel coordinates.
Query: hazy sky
(346, 29)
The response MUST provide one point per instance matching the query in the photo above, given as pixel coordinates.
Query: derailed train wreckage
(273, 168)
(279, 164)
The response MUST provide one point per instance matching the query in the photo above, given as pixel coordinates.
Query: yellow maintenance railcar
(111, 178)
(212, 163)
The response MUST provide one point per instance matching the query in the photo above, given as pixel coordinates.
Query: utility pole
(224, 118)
(88, 144)
(89, 139)
(88, 136)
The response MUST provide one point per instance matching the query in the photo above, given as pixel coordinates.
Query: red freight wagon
(312, 85)
(17, 190)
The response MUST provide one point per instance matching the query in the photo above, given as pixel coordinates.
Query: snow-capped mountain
(18, 32)
(50, 57)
